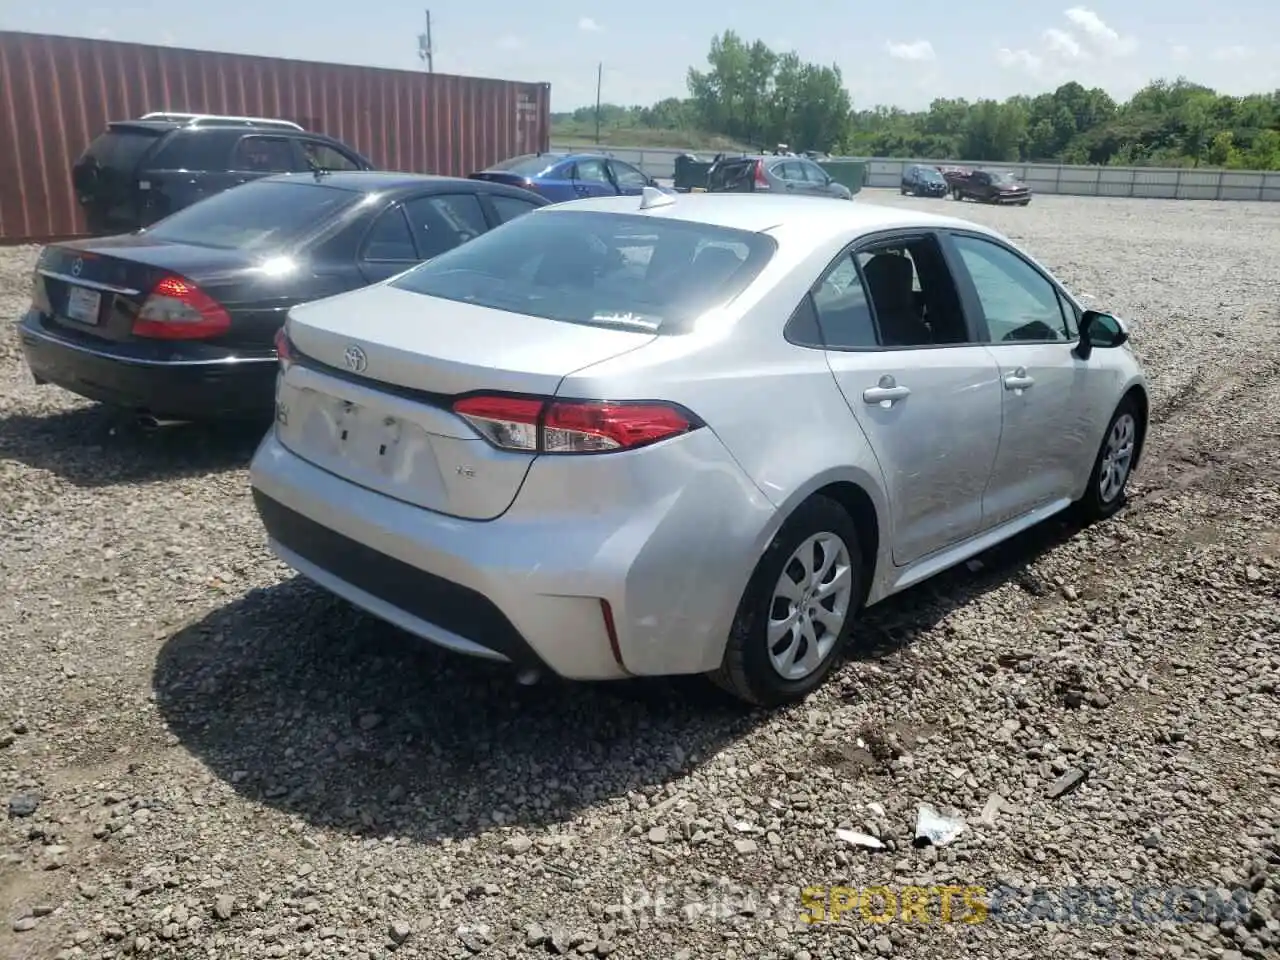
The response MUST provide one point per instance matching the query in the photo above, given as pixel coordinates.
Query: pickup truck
(987, 186)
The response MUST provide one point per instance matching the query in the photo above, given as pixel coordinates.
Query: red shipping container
(58, 93)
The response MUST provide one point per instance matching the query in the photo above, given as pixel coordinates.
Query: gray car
(658, 435)
(774, 174)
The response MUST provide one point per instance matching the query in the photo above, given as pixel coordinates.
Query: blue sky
(896, 53)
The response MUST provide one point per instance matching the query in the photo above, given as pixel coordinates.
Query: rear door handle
(886, 394)
(1018, 380)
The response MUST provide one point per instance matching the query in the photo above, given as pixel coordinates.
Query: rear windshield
(120, 150)
(626, 271)
(259, 215)
(529, 165)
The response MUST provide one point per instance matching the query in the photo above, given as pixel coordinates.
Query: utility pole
(599, 80)
(426, 52)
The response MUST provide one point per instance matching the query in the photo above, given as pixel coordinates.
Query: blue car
(570, 176)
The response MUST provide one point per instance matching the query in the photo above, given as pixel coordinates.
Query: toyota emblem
(77, 267)
(355, 359)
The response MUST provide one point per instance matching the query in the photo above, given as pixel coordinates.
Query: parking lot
(203, 756)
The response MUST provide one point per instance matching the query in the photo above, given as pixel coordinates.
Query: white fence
(1180, 183)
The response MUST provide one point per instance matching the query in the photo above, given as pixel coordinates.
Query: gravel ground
(202, 756)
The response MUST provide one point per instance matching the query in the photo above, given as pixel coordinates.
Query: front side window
(321, 156)
(445, 221)
(592, 170)
(260, 215)
(1018, 302)
(627, 271)
(264, 155)
(508, 208)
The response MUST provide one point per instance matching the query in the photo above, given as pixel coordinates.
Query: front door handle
(1018, 380)
(886, 393)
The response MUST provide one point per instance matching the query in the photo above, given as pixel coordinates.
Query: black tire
(1023, 203)
(904, 191)
(955, 193)
(746, 671)
(1094, 506)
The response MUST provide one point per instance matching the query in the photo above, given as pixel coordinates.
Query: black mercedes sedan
(177, 322)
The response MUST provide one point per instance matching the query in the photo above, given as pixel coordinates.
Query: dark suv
(774, 174)
(920, 180)
(139, 171)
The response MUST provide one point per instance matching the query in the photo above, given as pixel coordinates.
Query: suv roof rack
(214, 119)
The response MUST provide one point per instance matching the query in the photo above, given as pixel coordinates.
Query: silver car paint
(668, 535)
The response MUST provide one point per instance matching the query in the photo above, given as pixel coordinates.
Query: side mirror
(1100, 330)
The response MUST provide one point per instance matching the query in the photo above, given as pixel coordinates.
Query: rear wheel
(797, 611)
(1114, 464)
(955, 193)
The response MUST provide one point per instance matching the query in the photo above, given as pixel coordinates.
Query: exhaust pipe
(151, 424)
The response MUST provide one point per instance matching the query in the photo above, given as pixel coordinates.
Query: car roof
(370, 181)
(761, 213)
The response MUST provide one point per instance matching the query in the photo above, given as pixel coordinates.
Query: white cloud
(1099, 34)
(589, 25)
(106, 33)
(1063, 44)
(1064, 49)
(1023, 59)
(915, 50)
(1235, 53)
(510, 42)
(1180, 51)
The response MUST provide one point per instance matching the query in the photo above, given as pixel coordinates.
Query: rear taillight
(572, 426)
(762, 181)
(284, 349)
(177, 309)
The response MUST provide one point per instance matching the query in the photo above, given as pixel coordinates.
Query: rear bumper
(168, 390)
(661, 544)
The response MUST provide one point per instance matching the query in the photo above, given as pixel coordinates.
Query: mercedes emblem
(355, 359)
(77, 267)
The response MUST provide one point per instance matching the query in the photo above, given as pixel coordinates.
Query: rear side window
(193, 150)
(603, 269)
(120, 150)
(729, 176)
(261, 215)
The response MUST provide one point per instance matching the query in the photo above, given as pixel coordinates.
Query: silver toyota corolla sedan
(687, 434)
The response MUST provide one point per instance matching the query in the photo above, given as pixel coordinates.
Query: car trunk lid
(94, 288)
(369, 396)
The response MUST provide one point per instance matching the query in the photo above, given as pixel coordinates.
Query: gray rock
(23, 804)
(224, 906)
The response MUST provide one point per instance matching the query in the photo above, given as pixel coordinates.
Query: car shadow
(303, 703)
(96, 446)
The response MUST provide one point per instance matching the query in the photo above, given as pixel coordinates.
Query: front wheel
(1113, 466)
(797, 611)
(955, 193)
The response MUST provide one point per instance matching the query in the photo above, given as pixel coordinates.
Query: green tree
(751, 94)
